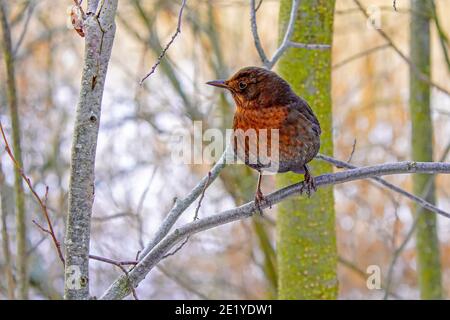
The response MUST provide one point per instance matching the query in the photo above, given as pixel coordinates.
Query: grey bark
(100, 30)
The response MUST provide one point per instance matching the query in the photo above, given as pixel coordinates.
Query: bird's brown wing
(301, 106)
(299, 135)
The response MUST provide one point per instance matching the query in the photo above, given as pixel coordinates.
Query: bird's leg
(309, 184)
(259, 197)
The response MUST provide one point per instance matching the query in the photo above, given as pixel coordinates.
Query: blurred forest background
(136, 181)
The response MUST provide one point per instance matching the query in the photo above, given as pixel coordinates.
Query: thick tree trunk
(100, 31)
(21, 236)
(306, 244)
(427, 243)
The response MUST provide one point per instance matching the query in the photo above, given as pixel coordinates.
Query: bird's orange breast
(269, 118)
(297, 143)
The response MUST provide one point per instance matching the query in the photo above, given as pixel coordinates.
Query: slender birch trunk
(100, 30)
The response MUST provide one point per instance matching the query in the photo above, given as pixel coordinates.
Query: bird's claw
(308, 186)
(259, 198)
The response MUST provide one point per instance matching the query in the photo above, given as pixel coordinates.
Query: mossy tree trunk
(427, 243)
(306, 237)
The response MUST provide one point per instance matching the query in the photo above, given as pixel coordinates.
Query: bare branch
(420, 201)
(31, 7)
(42, 203)
(181, 205)
(163, 53)
(176, 250)
(397, 254)
(350, 265)
(197, 209)
(180, 281)
(202, 196)
(120, 288)
(286, 43)
(112, 261)
(258, 5)
(256, 38)
(120, 265)
(360, 55)
(353, 152)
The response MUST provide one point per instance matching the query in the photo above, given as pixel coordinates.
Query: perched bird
(266, 101)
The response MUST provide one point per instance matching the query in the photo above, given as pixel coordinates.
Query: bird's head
(254, 87)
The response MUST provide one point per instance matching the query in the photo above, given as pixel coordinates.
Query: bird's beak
(218, 83)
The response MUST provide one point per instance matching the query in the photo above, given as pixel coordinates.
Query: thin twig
(181, 282)
(138, 215)
(120, 265)
(112, 261)
(42, 203)
(350, 265)
(443, 39)
(112, 216)
(258, 5)
(163, 53)
(202, 196)
(288, 34)
(36, 245)
(197, 209)
(25, 27)
(397, 254)
(353, 152)
(256, 38)
(360, 55)
(176, 250)
(41, 227)
(78, 5)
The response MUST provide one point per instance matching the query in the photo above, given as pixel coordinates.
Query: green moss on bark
(306, 237)
(427, 243)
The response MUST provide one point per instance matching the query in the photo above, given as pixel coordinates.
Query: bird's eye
(242, 85)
